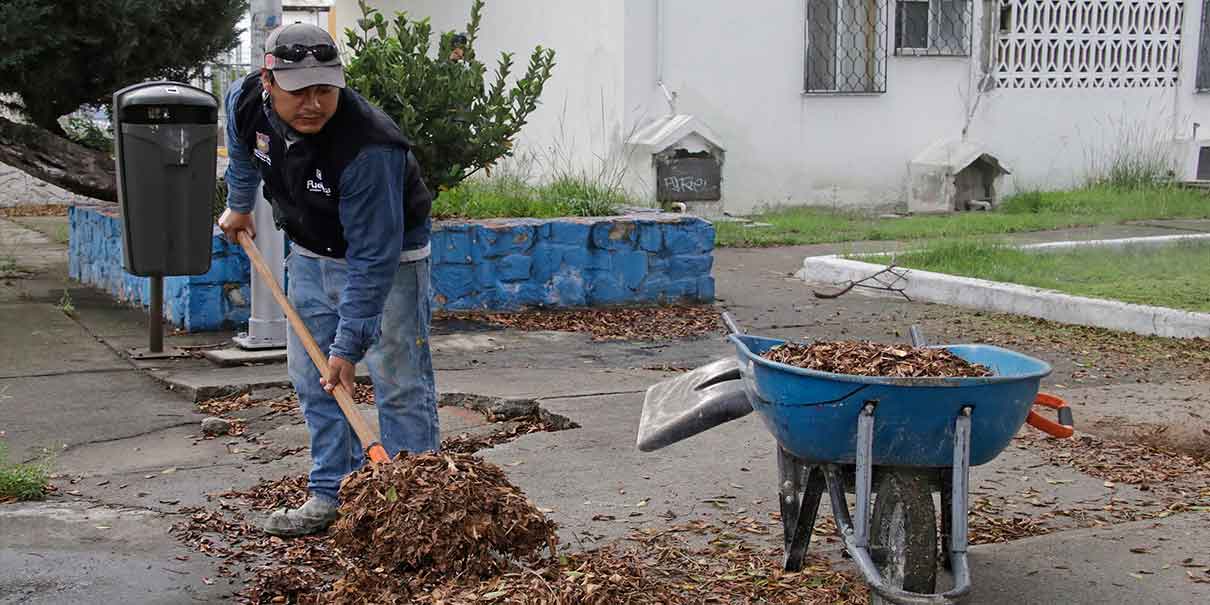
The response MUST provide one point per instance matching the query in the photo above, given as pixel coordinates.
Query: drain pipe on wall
(659, 57)
(981, 67)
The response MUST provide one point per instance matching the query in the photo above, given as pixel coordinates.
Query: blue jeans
(400, 365)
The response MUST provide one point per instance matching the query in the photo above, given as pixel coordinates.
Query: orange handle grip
(1062, 429)
(377, 453)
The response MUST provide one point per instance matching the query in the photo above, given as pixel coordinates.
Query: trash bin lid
(165, 103)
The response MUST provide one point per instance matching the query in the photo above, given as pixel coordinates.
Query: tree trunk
(57, 160)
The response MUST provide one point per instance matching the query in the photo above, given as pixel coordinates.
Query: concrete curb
(1148, 241)
(1020, 300)
(1155, 240)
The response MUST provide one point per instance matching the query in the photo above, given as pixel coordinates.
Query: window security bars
(933, 27)
(846, 46)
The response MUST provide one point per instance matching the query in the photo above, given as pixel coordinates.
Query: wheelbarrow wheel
(903, 532)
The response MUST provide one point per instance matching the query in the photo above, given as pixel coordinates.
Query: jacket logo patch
(317, 185)
(262, 148)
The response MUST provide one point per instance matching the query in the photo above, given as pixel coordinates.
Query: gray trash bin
(166, 139)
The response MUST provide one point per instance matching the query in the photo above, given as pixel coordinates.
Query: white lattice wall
(1089, 43)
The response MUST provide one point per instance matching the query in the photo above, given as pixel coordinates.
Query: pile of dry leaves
(614, 323)
(873, 359)
(440, 512)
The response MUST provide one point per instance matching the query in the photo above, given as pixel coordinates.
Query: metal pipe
(730, 323)
(659, 42)
(669, 96)
(155, 321)
(267, 323)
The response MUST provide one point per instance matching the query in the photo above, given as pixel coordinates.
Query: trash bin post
(166, 148)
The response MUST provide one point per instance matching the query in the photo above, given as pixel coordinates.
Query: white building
(829, 102)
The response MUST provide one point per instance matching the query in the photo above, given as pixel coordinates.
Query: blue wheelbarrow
(891, 440)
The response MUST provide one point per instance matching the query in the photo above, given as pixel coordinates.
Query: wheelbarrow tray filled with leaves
(813, 414)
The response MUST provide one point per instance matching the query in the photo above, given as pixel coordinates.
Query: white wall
(580, 115)
(740, 70)
(739, 67)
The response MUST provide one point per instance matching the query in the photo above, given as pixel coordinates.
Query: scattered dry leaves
(1098, 353)
(266, 495)
(612, 323)
(1174, 478)
(34, 210)
(469, 443)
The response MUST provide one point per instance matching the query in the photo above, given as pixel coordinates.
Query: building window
(1203, 52)
(846, 46)
(932, 27)
(1104, 44)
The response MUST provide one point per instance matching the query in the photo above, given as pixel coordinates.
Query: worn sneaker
(314, 516)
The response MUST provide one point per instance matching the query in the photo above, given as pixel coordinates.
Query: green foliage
(458, 123)
(22, 481)
(60, 55)
(1132, 154)
(510, 197)
(66, 306)
(85, 132)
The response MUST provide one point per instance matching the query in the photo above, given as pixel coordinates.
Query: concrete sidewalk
(130, 458)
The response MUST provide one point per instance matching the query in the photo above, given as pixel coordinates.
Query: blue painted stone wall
(498, 265)
(216, 300)
(509, 264)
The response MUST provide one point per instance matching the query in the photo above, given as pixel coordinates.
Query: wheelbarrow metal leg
(959, 532)
(802, 487)
(961, 479)
(865, 470)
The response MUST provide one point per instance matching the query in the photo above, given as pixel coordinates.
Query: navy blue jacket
(340, 193)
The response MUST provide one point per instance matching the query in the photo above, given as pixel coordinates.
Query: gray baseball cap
(292, 55)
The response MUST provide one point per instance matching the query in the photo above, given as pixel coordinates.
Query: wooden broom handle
(345, 399)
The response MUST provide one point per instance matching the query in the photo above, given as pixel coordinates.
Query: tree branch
(57, 160)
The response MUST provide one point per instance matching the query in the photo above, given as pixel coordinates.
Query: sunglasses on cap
(297, 52)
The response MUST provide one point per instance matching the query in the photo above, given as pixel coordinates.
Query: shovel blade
(683, 406)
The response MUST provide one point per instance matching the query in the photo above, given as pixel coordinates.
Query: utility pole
(267, 325)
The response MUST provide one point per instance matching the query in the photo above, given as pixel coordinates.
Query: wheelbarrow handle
(1061, 429)
(731, 325)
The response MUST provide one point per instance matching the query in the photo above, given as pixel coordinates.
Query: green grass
(22, 481)
(1171, 276)
(506, 197)
(1034, 211)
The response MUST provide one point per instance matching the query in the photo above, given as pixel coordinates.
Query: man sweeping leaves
(347, 190)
